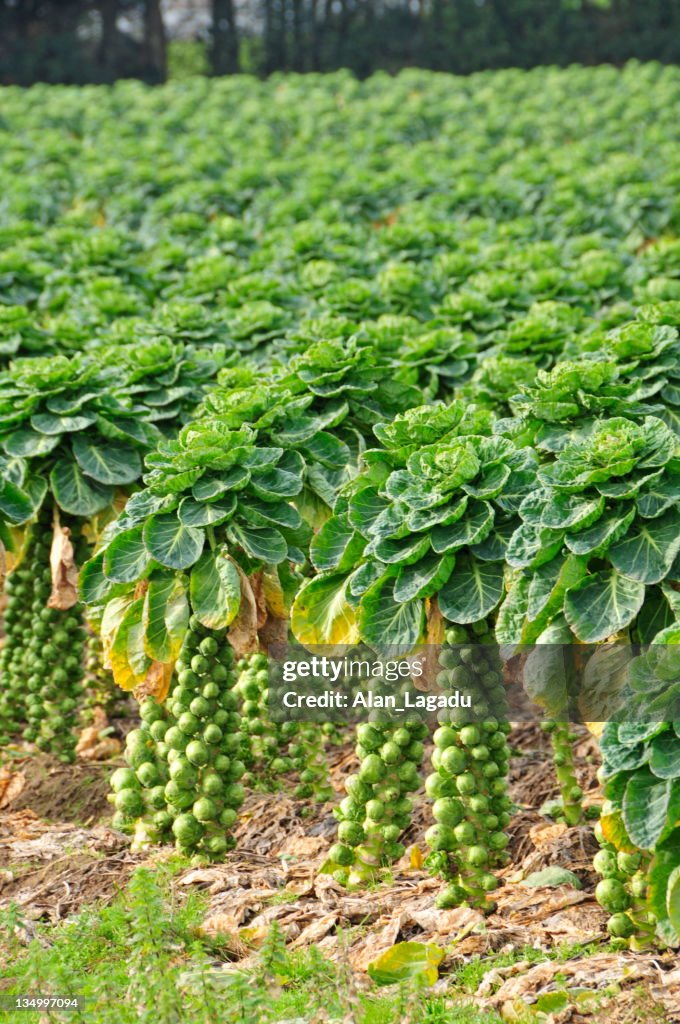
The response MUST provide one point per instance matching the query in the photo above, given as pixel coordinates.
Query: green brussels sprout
(605, 863)
(351, 833)
(612, 896)
(124, 778)
(447, 811)
(187, 830)
(129, 802)
(341, 854)
(440, 837)
(620, 926)
(197, 753)
(466, 784)
(453, 760)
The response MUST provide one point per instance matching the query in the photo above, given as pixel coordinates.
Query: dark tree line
(100, 40)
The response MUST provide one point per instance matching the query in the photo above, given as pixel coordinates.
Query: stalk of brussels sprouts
(622, 892)
(19, 622)
(377, 808)
(188, 755)
(468, 787)
(100, 688)
(42, 664)
(571, 794)
(276, 748)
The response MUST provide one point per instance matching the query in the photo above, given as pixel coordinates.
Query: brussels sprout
(620, 926)
(612, 896)
(351, 833)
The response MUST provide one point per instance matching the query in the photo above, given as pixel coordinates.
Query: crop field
(385, 373)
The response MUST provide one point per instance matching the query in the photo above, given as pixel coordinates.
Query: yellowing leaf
(407, 961)
(415, 858)
(157, 681)
(322, 615)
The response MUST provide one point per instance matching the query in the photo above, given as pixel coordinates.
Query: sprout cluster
(562, 739)
(469, 783)
(622, 893)
(185, 760)
(279, 747)
(377, 808)
(41, 661)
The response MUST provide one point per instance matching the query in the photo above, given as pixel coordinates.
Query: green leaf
(512, 612)
(472, 591)
(273, 482)
(647, 551)
(407, 961)
(26, 443)
(662, 494)
(94, 587)
(645, 808)
(364, 508)
(267, 545)
(474, 527)
(547, 588)
(16, 504)
(608, 529)
(46, 423)
(321, 613)
(77, 494)
(165, 618)
(337, 545)
(211, 487)
(402, 551)
(126, 558)
(385, 622)
(171, 543)
(112, 464)
(664, 760)
(424, 578)
(198, 513)
(265, 513)
(602, 605)
(215, 590)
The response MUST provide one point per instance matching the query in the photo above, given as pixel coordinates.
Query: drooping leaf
(645, 808)
(112, 463)
(165, 618)
(15, 503)
(321, 613)
(128, 660)
(77, 494)
(215, 590)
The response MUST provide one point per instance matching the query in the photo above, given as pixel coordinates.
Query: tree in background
(101, 40)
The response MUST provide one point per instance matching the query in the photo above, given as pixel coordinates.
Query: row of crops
(383, 363)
